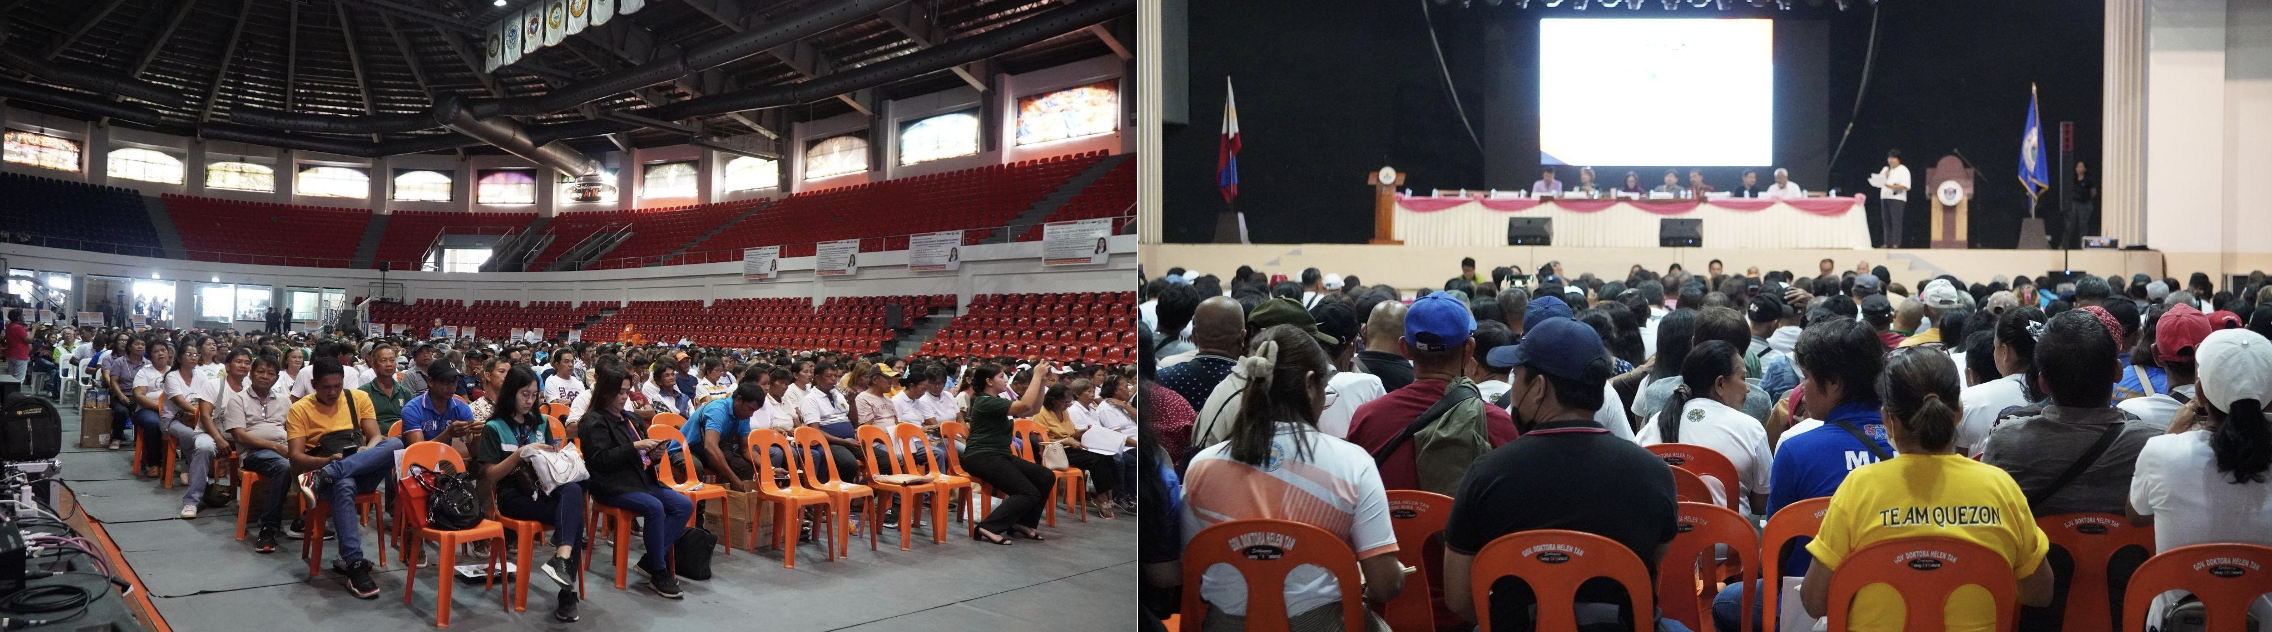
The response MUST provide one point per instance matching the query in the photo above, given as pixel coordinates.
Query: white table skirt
(1624, 225)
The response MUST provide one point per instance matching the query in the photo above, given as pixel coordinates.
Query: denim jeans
(363, 471)
(146, 429)
(200, 448)
(275, 479)
(563, 510)
(664, 511)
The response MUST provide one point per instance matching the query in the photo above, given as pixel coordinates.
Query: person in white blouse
(802, 375)
(562, 385)
(151, 406)
(349, 378)
(2015, 357)
(909, 402)
(184, 385)
(1784, 188)
(935, 399)
(712, 382)
(1707, 411)
(1893, 196)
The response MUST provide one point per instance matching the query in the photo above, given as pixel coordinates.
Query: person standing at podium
(2082, 203)
(1784, 188)
(1893, 196)
(1546, 185)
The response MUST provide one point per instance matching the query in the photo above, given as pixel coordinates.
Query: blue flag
(2035, 175)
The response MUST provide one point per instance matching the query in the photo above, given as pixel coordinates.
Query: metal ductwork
(416, 145)
(82, 102)
(509, 135)
(372, 124)
(89, 78)
(995, 42)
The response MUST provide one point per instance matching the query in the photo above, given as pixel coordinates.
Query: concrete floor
(201, 578)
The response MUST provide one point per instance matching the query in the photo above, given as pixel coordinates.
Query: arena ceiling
(229, 62)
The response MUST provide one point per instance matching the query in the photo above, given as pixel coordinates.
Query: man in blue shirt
(718, 435)
(1218, 329)
(438, 414)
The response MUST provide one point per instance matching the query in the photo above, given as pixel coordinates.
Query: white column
(1149, 107)
(193, 167)
(2185, 128)
(547, 191)
(96, 153)
(2122, 158)
(287, 176)
(382, 180)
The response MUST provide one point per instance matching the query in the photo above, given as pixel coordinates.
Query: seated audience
(621, 461)
(502, 455)
(1383, 324)
(2074, 454)
(1058, 406)
(334, 433)
(2173, 336)
(2016, 332)
(2205, 482)
(1702, 411)
(1351, 389)
(1027, 486)
(255, 421)
(1438, 338)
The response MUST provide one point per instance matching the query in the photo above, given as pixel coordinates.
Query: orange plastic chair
(1071, 479)
(620, 521)
(906, 495)
(431, 456)
(1418, 517)
(693, 488)
(2092, 539)
(246, 480)
(978, 500)
(1554, 562)
(368, 506)
(1704, 462)
(910, 440)
(1926, 571)
(556, 410)
(2225, 577)
(1801, 519)
(173, 449)
(525, 537)
(840, 492)
(1263, 551)
(1685, 593)
(1690, 488)
(791, 500)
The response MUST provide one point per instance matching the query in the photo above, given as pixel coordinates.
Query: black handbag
(692, 553)
(449, 499)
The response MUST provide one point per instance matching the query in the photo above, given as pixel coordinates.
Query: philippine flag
(1227, 160)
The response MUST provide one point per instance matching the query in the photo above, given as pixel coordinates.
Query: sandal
(1104, 509)
(982, 536)
(1026, 533)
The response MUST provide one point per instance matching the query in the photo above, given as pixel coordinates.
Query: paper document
(1877, 180)
(1102, 440)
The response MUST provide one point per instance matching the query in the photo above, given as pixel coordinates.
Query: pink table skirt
(1730, 223)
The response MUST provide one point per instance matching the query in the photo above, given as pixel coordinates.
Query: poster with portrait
(90, 319)
(761, 264)
(838, 258)
(1074, 243)
(935, 252)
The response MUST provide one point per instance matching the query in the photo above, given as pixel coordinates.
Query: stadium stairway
(925, 328)
(368, 249)
(689, 247)
(163, 220)
(1064, 193)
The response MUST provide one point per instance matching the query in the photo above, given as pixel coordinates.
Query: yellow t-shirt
(309, 419)
(1918, 495)
(1054, 425)
(1928, 336)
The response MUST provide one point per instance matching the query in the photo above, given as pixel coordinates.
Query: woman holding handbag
(987, 456)
(621, 460)
(513, 439)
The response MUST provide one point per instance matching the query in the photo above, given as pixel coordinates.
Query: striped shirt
(1337, 489)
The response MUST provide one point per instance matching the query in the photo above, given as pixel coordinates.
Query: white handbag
(1053, 456)
(554, 468)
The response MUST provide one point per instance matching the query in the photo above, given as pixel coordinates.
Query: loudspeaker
(893, 317)
(1530, 231)
(1680, 233)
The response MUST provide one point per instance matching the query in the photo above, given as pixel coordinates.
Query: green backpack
(1446, 439)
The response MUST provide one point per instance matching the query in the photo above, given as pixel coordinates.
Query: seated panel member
(1546, 185)
(1784, 188)
(1671, 185)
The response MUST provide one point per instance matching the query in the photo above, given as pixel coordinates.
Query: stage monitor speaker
(1680, 233)
(893, 317)
(1530, 231)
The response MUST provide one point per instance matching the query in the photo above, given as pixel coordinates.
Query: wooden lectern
(1384, 184)
(1951, 193)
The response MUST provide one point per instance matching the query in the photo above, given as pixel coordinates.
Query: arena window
(421, 186)
(1071, 113)
(943, 136)
(669, 180)
(341, 182)
(837, 156)
(751, 174)
(135, 163)
(43, 151)
(240, 176)
(506, 186)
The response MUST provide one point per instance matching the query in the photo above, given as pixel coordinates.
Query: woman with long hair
(1235, 480)
(1056, 421)
(515, 432)
(2016, 332)
(987, 457)
(2206, 481)
(1905, 497)
(621, 460)
(293, 360)
(1707, 410)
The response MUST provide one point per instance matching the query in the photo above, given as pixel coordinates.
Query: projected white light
(1656, 92)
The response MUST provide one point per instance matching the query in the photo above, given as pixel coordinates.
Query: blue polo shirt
(718, 415)
(1813, 463)
(418, 414)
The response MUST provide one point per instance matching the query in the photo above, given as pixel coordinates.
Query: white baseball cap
(2236, 364)
(1332, 281)
(1940, 294)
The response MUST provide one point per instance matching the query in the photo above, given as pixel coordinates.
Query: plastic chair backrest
(559, 432)
(664, 472)
(910, 441)
(1688, 487)
(951, 433)
(555, 410)
(760, 442)
(1926, 571)
(1707, 463)
(429, 455)
(1801, 519)
(870, 436)
(1026, 429)
(809, 439)
(2092, 539)
(2225, 577)
(1263, 551)
(1554, 562)
(675, 420)
(1417, 517)
(1702, 528)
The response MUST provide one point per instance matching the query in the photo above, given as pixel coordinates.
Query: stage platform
(1414, 267)
(197, 576)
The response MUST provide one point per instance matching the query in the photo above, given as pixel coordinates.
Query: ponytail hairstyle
(1920, 389)
(2242, 441)
(1281, 365)
(2017, 328)
(1706, 364)
(1674, 336)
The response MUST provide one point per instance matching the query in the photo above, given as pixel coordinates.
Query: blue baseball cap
(1437, 322)
(1556, 346)
(1542, 308)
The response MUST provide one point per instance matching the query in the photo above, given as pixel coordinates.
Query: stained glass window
(942, 136)
(1070, 113)
(135, 163)
(422, 186)
(41, 150)
(669, 180)
(749, 174)
(836, 156)
(342, 182)
(506, 186)
(240, 176)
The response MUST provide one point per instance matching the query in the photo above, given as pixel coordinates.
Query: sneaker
(359, 580)
(113, 444)
(297, 530)
(664, 584)
(566, 611)
(189, 511)
(312, 481)
(265, 543)
(561, 571)
(891, 519)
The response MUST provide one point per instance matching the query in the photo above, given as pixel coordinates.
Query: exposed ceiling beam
(473, 63)
(86, 23)
(409, 55)
(422, 16)
(912, 21)
(164, 35)
(628, 41)
(799, 55)
(355, 58)
(1111, 41)
(292, 58)
(228, 54)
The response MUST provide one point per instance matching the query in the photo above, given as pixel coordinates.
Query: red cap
(2226, 320)
(2179, 333)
